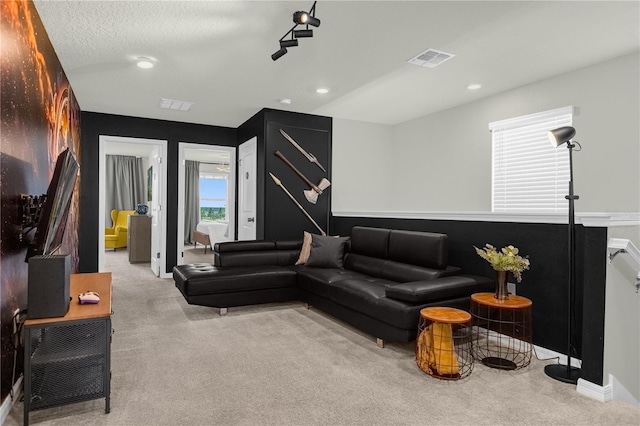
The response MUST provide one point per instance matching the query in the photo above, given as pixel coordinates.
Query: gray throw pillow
(326, 251)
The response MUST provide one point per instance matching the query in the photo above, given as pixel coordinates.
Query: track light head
(288, 43)
(280, 53)
(302, 33)
(304, 18)
(300, 18)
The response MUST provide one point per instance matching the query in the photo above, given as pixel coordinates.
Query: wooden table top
(99, 282)
(513, 302)
(445, 315)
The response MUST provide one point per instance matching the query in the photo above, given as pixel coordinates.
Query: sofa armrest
(433, 290)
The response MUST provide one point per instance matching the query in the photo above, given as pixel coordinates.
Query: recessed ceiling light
(322, 91)
(474, 86)
(144, 63)
(285, 101)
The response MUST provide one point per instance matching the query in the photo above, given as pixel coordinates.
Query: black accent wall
(96, 124)
(278, 218)
(546, 283)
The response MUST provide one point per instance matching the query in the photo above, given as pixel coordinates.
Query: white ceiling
(217, 54)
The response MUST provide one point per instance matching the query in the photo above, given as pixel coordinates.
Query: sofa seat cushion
(319, 280)
(432, 290)
(368, 297)
(205, 278)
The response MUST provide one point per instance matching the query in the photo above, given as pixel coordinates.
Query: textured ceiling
(217, 54)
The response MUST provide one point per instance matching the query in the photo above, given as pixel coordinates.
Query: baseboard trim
(600, 393)
(547, 354)
(9, 401)
(584, 387)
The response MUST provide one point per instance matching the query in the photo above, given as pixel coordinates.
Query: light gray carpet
(281, 364)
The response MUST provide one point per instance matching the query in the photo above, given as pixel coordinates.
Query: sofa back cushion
(373, 242)
(400, 256)
(419, 248)
(254, 253)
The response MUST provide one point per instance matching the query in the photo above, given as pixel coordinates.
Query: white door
(247, 169)
(156, 212)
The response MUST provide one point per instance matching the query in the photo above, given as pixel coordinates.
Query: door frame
(103, 140)
(241, 188)
(231, 194)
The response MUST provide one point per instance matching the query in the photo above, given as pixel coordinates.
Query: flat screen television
(55, 210)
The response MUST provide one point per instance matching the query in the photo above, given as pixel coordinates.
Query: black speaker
(48, 290)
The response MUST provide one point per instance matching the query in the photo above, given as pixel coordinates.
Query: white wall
(442, 162)
(363, 168)
(622, 322)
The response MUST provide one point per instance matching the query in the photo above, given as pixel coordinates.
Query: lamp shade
(561, 135)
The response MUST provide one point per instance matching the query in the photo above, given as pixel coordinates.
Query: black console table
(68, 359)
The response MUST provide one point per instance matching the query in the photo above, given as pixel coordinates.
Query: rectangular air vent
(431, 58)
(175, 105)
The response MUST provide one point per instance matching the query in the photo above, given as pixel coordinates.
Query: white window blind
(528, 173)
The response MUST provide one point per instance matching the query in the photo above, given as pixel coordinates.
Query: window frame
(528, 174)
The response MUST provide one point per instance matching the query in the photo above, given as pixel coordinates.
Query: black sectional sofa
(379, 284)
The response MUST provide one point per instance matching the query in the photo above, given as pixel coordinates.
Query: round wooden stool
(443, 345)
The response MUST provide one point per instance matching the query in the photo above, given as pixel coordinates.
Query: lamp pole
(569, 374)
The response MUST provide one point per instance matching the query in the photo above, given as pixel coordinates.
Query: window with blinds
(528, 173)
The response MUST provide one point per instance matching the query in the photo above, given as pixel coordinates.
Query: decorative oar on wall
(311, 194)
(279, 183)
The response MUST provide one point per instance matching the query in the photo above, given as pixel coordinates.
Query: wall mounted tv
(55, 210)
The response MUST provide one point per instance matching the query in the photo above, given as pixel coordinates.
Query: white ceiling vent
(431, 58)
(175, 105)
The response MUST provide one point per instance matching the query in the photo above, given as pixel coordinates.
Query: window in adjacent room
(213, 196)
(528, 173)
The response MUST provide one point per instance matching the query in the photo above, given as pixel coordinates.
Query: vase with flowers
(505, 261)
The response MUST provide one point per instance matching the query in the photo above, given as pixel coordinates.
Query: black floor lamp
(567, 373)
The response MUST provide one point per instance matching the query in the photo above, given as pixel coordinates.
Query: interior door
(156, 212)
(247, 170)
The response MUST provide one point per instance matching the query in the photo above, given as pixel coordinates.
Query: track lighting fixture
(299, 18)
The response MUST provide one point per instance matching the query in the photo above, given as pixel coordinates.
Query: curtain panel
(125, 186)
(192, 199)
